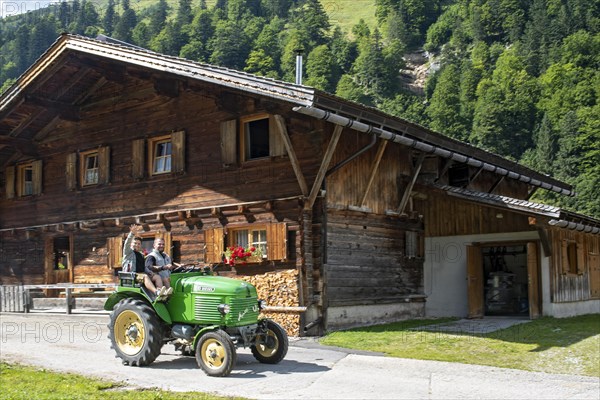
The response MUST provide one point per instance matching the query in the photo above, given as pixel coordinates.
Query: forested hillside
(520, 78)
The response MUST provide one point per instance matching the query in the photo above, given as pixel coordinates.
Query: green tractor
(207, 316)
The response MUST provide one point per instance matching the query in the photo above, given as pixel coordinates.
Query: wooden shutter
(277, 241)
(71, 171)
(168, 243)
(213, 245)
(276, 143)
(178, 151)
(594, 263)
(564, 248)
(114, 247)
(580, 259)
(137, 159)
(229, 142)
(104, 164)
(9, 174)
(36, 174)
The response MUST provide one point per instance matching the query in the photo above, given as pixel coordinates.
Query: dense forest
(520, 78)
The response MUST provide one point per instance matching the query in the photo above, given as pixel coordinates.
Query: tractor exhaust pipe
(312, 324)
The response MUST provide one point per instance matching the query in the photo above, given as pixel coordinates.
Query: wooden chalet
(362, 217)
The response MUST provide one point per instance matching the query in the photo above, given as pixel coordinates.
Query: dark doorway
(505, 279)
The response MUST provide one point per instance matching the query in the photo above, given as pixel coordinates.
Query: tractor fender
(161, 310)
(113, 299)
(202, 332)
(159, 307)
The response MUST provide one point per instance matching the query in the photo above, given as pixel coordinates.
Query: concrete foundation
(339, 318)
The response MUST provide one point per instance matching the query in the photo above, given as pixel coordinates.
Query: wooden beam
(24, 146)
(374, 168)
(495, 185)
(72, 81)
(411, 184)
(531, 192)
(475, 175)
(101, 82)
(292, 154)
(65, 110)
(25, 123)
(335, 137)
(445, 169)
(546, 244)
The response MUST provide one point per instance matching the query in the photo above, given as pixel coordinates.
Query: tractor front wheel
(135, 332)
(271, 345)
(215, 353)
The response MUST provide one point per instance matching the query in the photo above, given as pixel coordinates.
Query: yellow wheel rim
(213, 353)
(129, 332)
(269, 338)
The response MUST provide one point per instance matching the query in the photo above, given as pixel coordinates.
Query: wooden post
(69, 298)
(292, 154)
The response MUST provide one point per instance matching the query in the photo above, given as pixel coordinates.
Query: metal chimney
(299, 66)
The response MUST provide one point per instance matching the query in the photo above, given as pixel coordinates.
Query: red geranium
(238, 254)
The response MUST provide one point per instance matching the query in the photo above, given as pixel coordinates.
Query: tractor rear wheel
(215, 353)
(135, 332)
(271, 346)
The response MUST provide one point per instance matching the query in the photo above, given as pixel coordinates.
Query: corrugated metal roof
(502, 201)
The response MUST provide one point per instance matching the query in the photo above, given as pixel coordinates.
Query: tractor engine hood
(216, 285)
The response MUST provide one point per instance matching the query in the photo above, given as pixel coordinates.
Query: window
(88, 168)
(25, 180)
(250, 237)
(271, 239)
(573, 257)
(165, 155)
(89, 162)
(160, 151)
(255, 138)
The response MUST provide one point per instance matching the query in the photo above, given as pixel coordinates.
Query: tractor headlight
(224, 309)
(262, 304)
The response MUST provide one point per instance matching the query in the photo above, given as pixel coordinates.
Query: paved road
(78, 343)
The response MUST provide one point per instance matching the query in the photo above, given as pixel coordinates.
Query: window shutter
(36, 174)
(276, 145)
(137, 159)
(213, 245)
(9, 174)
(104, 164)
(277, 241)
(229, 142)
(565, 257)
(178, 151)
(71, 171)
(114, 246)
(580, 259)
(168, 243)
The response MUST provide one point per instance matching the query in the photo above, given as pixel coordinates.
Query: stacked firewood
(280, 289)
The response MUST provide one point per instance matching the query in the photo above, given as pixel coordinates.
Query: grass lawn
(564, 346)
(21, 382)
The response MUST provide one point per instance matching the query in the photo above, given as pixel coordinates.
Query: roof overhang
(22, 95)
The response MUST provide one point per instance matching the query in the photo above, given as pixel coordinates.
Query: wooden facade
(96, 137)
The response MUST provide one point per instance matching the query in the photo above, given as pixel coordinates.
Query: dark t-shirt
(139, 262)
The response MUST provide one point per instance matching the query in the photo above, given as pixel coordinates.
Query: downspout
(425, 147)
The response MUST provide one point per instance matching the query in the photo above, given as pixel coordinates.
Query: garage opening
(505, 279)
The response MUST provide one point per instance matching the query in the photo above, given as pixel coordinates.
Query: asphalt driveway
(78, 343)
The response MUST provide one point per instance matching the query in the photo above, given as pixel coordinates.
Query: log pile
(279, 288)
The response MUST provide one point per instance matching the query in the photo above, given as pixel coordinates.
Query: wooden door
(533, 281)
(475, 282)
(52, 273)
